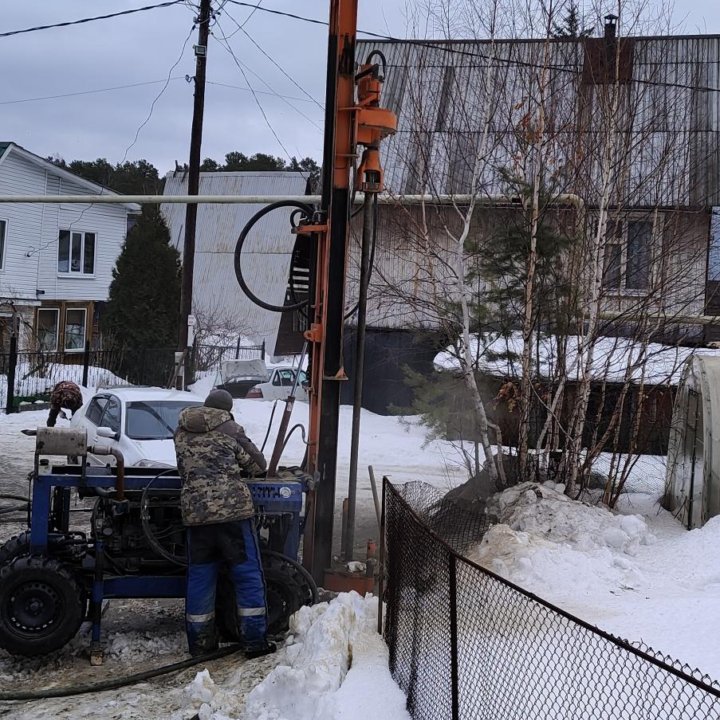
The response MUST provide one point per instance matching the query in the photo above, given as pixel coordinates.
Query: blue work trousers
(236, 544)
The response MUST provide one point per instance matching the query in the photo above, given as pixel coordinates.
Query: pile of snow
(334, 666)
(613, 358)
(634, 572)
(543, 536)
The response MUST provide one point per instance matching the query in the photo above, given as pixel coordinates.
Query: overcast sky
(144, 47)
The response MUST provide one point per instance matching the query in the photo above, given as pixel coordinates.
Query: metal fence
(28, 377)
(465, 643)
(206, 357)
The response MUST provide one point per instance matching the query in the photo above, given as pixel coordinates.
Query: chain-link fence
(465, 643)
(29, 376)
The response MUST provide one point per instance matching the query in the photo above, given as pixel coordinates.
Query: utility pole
(188, 261)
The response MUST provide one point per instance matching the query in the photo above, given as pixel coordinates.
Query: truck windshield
(154, 420)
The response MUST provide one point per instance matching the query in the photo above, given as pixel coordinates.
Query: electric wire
(272, 60)
(259, 92)
(226, 46)
(443, 46)
(159, 95)
(244, 22)
(91, 92)
(140, 127)
(229, 49)
(440, 45)
(68, 23)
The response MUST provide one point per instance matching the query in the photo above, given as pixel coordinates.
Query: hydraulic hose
(117, 683)
(303, 208)
(145, 523)
(10, 509)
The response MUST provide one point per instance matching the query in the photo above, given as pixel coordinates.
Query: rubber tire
(288, 587)
(15, 547)
(53, 583)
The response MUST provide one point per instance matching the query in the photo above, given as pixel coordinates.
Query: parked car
(238, 376)
(138, 421)
(279, 385)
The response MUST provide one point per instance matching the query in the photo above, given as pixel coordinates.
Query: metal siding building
(667, 123)
(217, 297)
(442, 90)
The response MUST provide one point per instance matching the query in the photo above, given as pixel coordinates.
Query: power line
(91, 92)
(224, 42)
(91, 19)
(279, 12)
(259, 92)
(443, 46)
(229, 49)
(282, 70)
(271, 59)
(159, 95)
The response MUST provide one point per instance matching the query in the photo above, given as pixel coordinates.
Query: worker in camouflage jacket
(215, 458)
(65, 395)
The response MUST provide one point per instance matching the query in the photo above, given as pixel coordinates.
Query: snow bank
(337, 667)
(334, 667)
(543, 537)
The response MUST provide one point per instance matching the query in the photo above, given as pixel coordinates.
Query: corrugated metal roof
(669, 117)
(266, 254)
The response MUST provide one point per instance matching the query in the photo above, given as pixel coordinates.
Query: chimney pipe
(610, 27)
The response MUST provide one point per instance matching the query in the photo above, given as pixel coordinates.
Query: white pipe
(384, 198)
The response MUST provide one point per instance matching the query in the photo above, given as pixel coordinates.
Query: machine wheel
(15, 547)
(289, 586)
(41, 606)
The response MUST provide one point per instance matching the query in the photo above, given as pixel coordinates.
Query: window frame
(95, 402)
(57, 328)
(80, 349)
(623, 240)
(80, 273)
(3, 242)
(113, 401)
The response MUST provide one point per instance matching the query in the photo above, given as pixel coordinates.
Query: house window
(628, 255)
(76, 253)
(47, 329)
(75, 329)
(3, 231)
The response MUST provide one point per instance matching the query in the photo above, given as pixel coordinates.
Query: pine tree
(144, 301)
(570, 26)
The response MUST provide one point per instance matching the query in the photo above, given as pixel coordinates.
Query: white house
(56, 260)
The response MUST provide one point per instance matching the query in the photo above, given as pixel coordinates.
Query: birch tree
(581, 141)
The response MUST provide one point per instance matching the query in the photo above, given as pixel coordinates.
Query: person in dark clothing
(214, 456)
(65, 395)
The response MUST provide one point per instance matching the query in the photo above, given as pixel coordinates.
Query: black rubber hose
(116, 683)
(145, 523)
(21, 498)
(307, 210)
(14, 509)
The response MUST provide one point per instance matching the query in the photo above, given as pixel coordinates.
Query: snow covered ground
(636, 573)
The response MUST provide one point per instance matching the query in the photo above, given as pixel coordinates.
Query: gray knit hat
(220, 399)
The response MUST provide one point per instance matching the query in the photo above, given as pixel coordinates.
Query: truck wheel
(41, 606)
(288, 587)
(15, 547)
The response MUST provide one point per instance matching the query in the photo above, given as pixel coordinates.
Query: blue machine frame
(275, 497)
